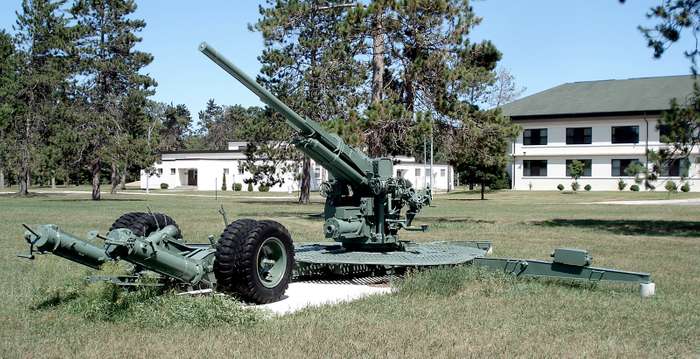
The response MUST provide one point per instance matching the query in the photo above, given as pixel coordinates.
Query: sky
(544, 43)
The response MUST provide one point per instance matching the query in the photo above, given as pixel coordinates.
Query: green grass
(47, 312)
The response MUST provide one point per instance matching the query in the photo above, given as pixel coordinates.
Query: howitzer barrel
(327, 149)
(51, 239)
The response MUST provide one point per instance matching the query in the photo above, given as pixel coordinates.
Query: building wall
(173, 168)
(601, 152)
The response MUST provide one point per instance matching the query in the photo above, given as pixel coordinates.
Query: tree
(44, 40)
(308, 61)
(576, 169)
(112, 84)
(683, 119)
(481, 144)
(503, 89)
(8, 86)
(175, 128)
(269, 153)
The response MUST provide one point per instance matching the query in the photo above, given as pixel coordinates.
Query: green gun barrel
(49, 238)
(329, 150)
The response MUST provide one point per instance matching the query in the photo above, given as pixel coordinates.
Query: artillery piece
(365, 208)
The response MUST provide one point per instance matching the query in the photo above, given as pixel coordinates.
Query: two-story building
(607, 125)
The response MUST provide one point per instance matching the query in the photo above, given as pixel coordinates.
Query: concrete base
(300, 295)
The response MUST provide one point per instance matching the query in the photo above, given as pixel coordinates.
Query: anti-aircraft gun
(364, 202)
(365, 208)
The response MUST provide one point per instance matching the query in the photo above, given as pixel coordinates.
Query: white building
(205, 171)
(607, 125)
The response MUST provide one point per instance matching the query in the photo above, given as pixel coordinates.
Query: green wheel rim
(272, 262)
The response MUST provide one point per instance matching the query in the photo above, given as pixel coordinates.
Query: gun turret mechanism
(366, 205)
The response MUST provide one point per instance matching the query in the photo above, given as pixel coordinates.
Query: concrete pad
(301, 295)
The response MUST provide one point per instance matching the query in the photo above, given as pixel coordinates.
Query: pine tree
(8, 86)
(44, 40)
(111, 65)
(175, 128)
(309, 61)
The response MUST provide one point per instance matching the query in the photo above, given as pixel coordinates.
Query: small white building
(607, 125)
(205, 171)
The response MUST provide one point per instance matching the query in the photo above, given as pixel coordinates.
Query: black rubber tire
(142, 224)
(236, 267)
(227, 250)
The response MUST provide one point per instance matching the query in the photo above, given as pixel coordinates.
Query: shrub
(164, 186)
(250, 187)
(588, 187)
(223, 182)
(671, 186)
(263, 188)
(685, 187)
(237, 187)
(575, 186)
(634, 188)
(560, 187)
(621, 184)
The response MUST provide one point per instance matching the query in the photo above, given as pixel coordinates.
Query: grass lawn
(459, 313)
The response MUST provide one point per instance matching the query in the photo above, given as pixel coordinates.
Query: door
(192, 177)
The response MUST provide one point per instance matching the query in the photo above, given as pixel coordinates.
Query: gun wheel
(263, 262)
(143, 224)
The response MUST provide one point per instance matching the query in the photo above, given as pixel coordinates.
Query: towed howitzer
(364, 201)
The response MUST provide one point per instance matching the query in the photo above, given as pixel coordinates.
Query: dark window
(587, 164)
(664, 131)
(172, 171)
(578, 135)
(535, 168)
(535, 136)
(619, 167)
(676, 168)
(625, 134)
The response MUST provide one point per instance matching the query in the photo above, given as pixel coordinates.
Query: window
(625, 134)
(676, 168)
(442, 172)
(664, 131)
(535, 168)
(172, 171)
(399, 173)
(587, 164)
(535, 136)
(619, 167)
(225, 171)
(417, 172)
(317, 172)
(160, 172)
(578, 135)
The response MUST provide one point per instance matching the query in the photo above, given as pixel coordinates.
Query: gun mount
(364, 202)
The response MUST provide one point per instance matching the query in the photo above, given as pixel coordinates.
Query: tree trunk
(24, 161)
(305, 190)
(114, 178)
(377, 58)
(53, 182)
(123, 179)
(66, 181)
(2, 178)
(483, 189)
(95, 171)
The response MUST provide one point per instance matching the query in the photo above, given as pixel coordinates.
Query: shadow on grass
(455, 220)
(631, 227)
(467, 199)
(275, 201)
(307, 215)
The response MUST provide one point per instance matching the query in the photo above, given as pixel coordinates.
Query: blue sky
(544, 43)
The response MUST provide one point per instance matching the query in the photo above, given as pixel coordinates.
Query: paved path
(656, 202)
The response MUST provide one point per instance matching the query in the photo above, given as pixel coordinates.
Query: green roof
(651, 94)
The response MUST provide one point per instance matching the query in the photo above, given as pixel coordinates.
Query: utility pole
(425, 162)
(431, 153)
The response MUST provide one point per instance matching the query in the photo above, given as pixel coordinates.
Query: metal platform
(415, 255)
